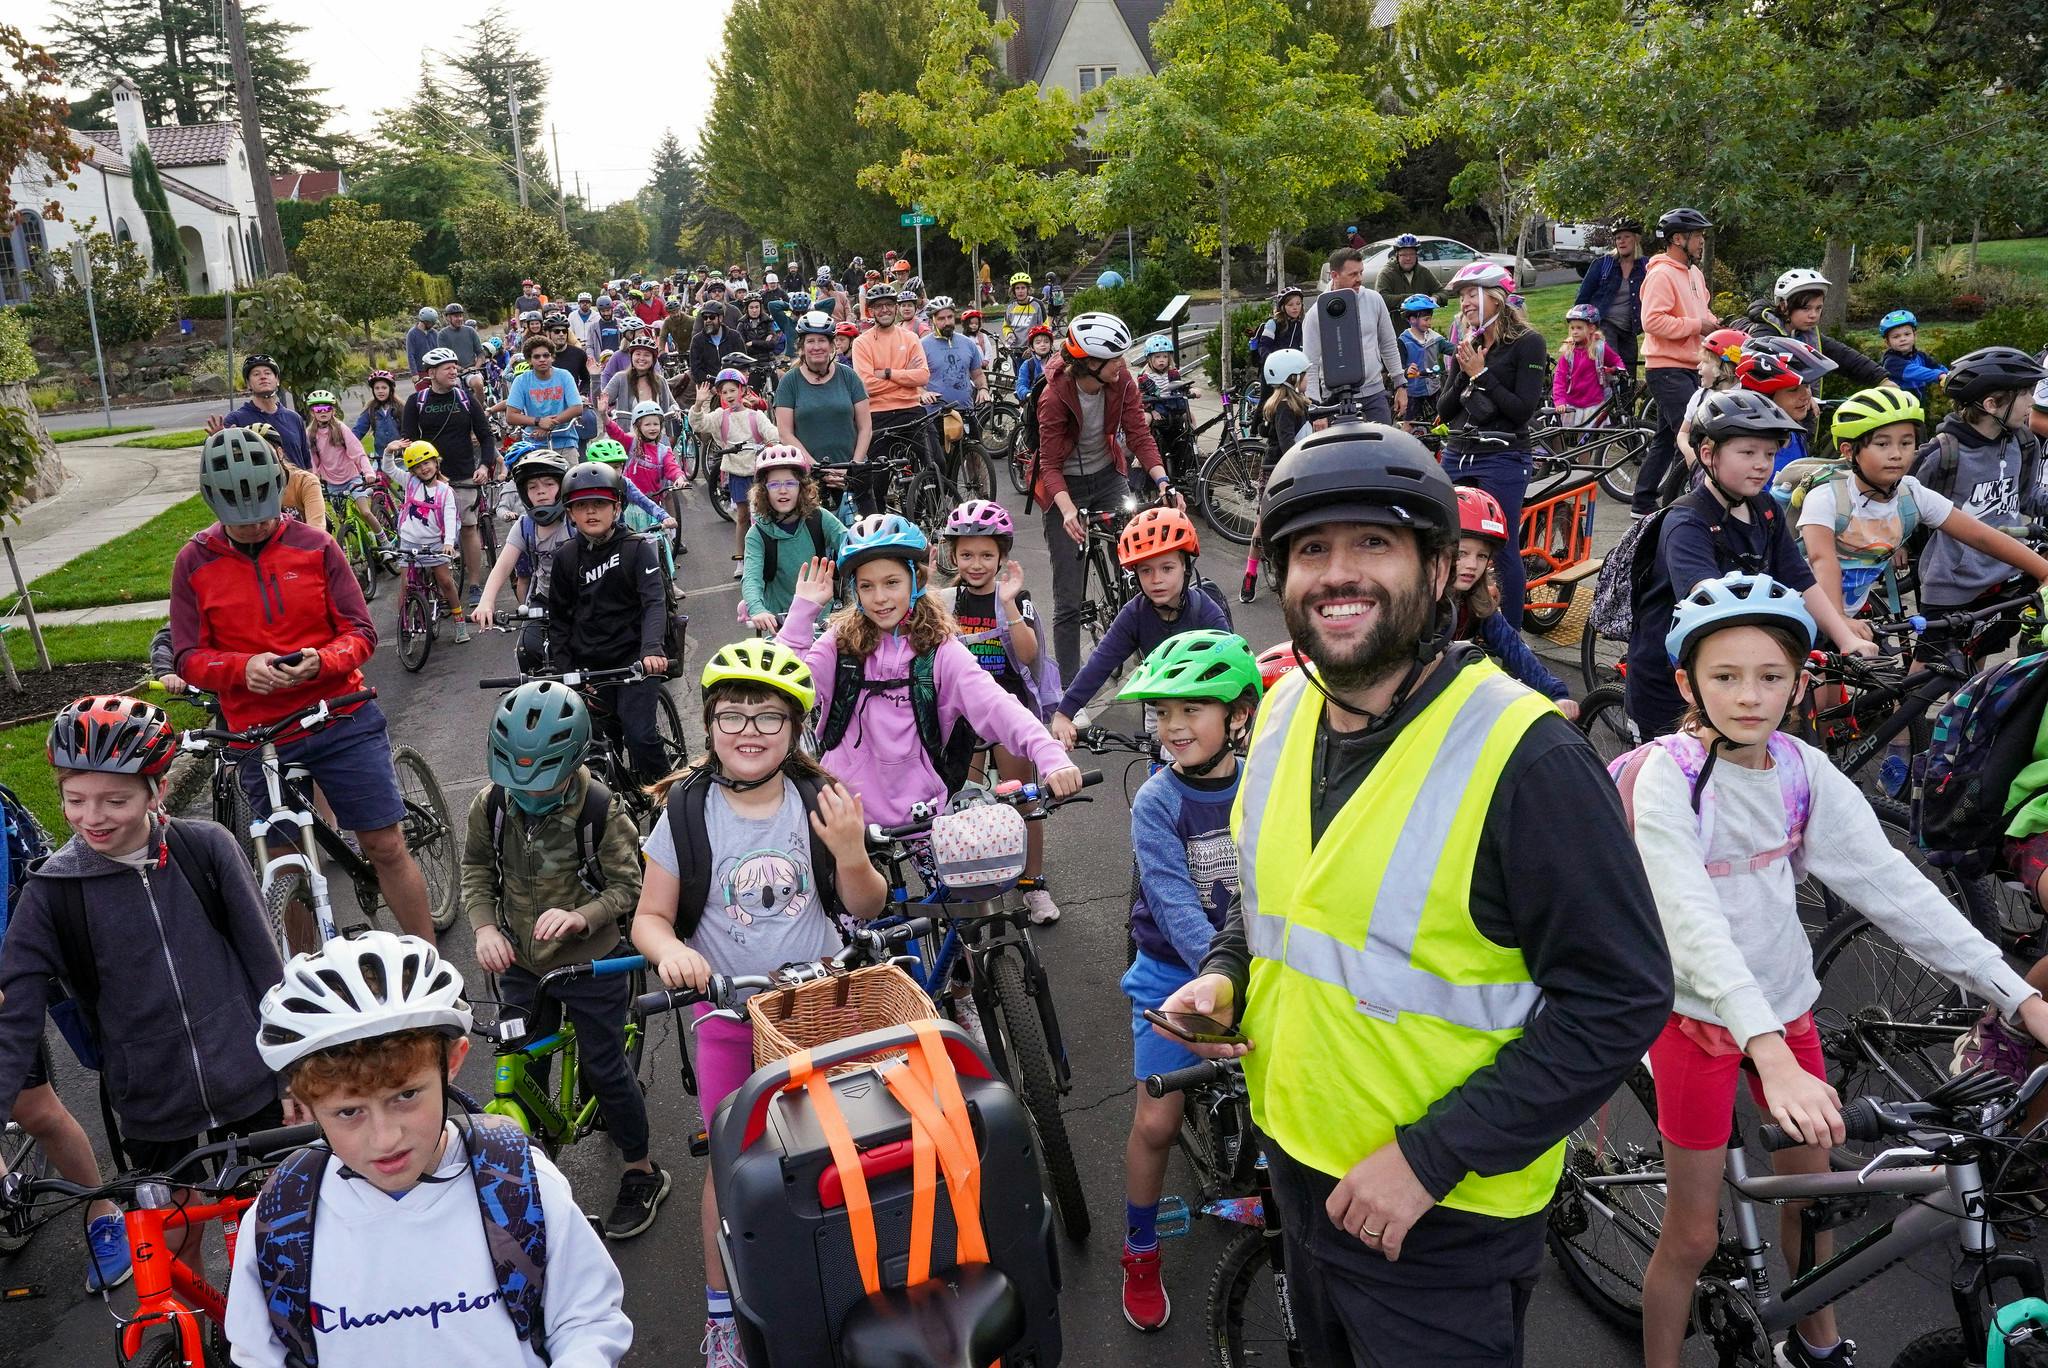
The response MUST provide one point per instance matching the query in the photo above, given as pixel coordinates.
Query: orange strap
(913, 1082)
(860, 1212)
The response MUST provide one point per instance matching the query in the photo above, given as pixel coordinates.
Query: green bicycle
(359, 541)
(561, 1112)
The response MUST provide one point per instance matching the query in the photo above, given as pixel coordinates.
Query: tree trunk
(49, 472)
(1224, 342)
(1920, 245)
(974, 275)
(1976, 236)
(1836, 265)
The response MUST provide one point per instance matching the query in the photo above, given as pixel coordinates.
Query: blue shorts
(739, 487)
(1148, 983)
(351, 762)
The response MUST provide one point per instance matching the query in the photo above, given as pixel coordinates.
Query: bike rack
(1557, 534)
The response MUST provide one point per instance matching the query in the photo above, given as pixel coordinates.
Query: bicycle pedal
(1174, 1219)
(700, 1144)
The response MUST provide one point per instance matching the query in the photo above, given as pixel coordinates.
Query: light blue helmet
(1109, 280)
(1897, 318)
(1418, 303)
(1406, 240)
(885, 536)
(1158, 342)
(1736, 600)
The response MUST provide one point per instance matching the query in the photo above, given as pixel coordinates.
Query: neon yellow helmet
(419, 453)
(1866, 411)
(606, 451)
(1021, 278)
(768, 663)
(321, 396)
(1206, 664)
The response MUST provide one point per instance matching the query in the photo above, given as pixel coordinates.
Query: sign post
(918, 219)
(81, 266)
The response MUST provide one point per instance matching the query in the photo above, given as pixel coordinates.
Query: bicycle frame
(556, 1120)
(169, 1291)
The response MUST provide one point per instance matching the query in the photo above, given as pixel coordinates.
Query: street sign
(81, 262)
(769, 249)
(789, 250)
(916, 220)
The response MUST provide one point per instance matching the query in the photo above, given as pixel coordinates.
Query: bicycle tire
(1946, 1349)
(668, 725)
(165, 1351)
(716, 488)
(415, 631)
(356, 550)
(1227, 489)
(231, 810)
(20, 1153)
(1000, 430)
(1234, 1337)
(1602, 1259)
(1618, 479)
(1600, 659)
(974, 475)
(290, 888)
(430, 836)
(1604, 722)
(1545, 618)
(924, 503)
(1032, 1075)
(1020, 470)
(636, 1032)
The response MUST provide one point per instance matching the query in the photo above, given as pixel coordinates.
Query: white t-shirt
(1876, 528)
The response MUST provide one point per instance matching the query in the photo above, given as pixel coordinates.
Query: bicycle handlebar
(1100, 739)
(1973, 1105)
(625, 674)
(719, 991)
(1201, 1075)
(604, 968)
(924, 814)
(16, 1189)
(310, 719)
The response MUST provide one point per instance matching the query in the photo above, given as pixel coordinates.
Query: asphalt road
(442, 714)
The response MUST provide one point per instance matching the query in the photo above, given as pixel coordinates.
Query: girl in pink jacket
(892, 639)
(650, 464)
(338, 457)
(1586, 367)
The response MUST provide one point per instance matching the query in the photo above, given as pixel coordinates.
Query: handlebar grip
(622, 964)
(512, 682)
(1774, 1138)
(1861, 1120)
(281, 1138)
(349, 699)
(1090, 778)
(1180, 1080)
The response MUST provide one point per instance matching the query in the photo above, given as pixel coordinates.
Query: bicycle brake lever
(1908, 1155)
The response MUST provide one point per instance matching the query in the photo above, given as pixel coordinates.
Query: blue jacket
(1603, 278)
(291, 430)
(1914, 371)
(388, 429)
(1027, 374)
(1136, 629)
(1505, 644)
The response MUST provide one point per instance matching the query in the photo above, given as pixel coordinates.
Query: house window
(1093, 76)
(32, 236)
(121, 233)
(13, 287)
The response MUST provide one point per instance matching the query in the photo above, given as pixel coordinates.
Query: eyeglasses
(766, 724)
(784, 485)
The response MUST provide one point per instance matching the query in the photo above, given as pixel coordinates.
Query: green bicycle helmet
(606, 451)
(538, 735)
(240, 477)
(1866, 411)
(321, 396)
(1209, 665)
(767, 663)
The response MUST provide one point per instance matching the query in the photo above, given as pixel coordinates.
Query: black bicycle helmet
(593, 479)
(250, 363)
(113, 734)
(1976, 376)
(1681, 220)
(1627, 223)
(1357, 472)
(1741, 413)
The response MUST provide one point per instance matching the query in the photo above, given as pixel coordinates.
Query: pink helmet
(981, 518)
(782, 454)
(1484, 274)
(1583, 313)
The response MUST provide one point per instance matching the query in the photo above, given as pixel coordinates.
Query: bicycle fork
(161, 1278)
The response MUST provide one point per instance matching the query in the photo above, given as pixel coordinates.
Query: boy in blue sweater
(1206, 686)
(1908, 366)
(1159, 546)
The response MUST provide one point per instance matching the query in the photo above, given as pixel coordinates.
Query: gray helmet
(593, 478)
(1741, 413)
(537, 462)
(538, 735)
(240, 476)
(816, 323)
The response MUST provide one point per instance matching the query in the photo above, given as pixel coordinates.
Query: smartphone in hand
(1194, 1028)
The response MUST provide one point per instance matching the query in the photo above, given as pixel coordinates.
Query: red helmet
(1155, 532)
(1765, 374)
(846, 330)
(1480, 515)
(1276, 661)
(1038, 330)
(1726, 343)
(113, 734)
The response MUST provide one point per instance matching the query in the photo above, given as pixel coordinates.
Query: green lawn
(168, 441)
(2028, 256)
(86, 641)
(95, 433)
(134, 567)
(1545, 307)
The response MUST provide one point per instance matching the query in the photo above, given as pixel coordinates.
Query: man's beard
(946, 330)
(1399, 621)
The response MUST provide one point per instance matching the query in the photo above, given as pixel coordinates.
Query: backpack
(1950, 456)
(508, 1200)
(692, 840)
(770, 561)
(950, 756)
(1983, 737)
(590, 824)
(1620, 582)
(1801, 477)
(1690, 754)
(1041, 681)
(23, 845)
(1027, 425)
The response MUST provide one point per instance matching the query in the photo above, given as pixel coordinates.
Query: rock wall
(49, 476)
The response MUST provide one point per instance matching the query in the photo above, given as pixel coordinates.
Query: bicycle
(1105, 585)
(360, 544)
(1174, 433)
(606, 756)
(293, 875)
(1001, 420)
(1100, 741)
(419, 609)
(1604, 1220)
(1610, 443)
(1233, 476)
(180, 1317)
(560, 1113)
(964, 467)
(20, 1153)
(1009, 988)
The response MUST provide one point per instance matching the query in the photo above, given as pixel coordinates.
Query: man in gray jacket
(1379, 345)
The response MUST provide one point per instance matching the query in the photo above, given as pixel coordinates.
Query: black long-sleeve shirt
(1503, 398)
(455, 423)
(607, 603)
(1557, 875)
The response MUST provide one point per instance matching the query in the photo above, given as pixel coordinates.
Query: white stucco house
(1078, 44)
(206, 180)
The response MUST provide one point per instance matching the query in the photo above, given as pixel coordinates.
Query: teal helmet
(885, 536)
(240, 476)
(538, 735)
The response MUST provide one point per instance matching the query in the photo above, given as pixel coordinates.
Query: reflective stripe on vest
(1372, 993)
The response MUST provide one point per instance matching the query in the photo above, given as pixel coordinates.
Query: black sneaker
(1793, 1353)
(640, 1196)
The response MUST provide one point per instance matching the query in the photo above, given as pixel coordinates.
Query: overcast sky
(365, 53)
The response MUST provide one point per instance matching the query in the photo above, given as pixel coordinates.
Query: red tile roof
(309, 187)
(206, 144)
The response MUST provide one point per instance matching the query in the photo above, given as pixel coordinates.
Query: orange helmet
(1155, 532)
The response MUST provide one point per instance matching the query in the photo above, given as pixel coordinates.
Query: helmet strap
(1885, 492)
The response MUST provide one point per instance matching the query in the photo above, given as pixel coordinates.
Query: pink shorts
(724, 1057)
(1694, 1065)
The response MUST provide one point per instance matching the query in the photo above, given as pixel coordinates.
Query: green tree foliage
(166, 251)
(358, 262)
(988, 162)
(17, 361)
(501, 244)
(711, 233)
(33, 140)
(132, 302)
(176, 54)
(668, 194)
(619, 235)
(294, 216)
(494, 64)
(419, 171)
(780, 153)
(283, 319)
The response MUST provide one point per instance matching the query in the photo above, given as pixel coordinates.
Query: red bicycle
(173, 1300)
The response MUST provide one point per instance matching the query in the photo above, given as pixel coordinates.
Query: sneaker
(738, 570)
(1039, 906)
(1146, 1305)
(461, 629)
(968, 1017)
(106, 1242)
(472, 596)
(721, 1346)
(1793, 1353)
(1993, 1045)
(640, 1196)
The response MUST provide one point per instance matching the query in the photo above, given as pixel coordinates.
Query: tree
(494, 66)
(620, 235)
(712, 233)
(987, 162)
(283, 320)
(502, 244)
(166, 251)
(175, 53)
(358, 262)
(418, 173)
(669, 193)
(33, 139)
(1237, 137)
(132, 303)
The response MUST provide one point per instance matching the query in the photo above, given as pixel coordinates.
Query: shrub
(17, 361)
(1941, 294)
(132, 304)
(203, 306)
(1245, 320)
(309, 341)
(423, 288)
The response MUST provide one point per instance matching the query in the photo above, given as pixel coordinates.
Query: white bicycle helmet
(439, 356)
(647, 408)
(1485, 274)
(1284, 365)
(1101, 336)
(376, 984)
(1736, 600)
(1798, 281)
(938, 302)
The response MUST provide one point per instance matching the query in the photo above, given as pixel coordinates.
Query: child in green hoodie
(789, 529)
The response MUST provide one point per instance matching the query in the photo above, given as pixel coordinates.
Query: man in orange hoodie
(890, 362)
(1677, 313)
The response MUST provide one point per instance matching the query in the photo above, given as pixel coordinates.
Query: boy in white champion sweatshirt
(401, 1273)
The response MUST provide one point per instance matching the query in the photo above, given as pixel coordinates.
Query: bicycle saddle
(963, 1319)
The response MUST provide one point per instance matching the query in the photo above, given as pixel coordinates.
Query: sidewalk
(108, 490)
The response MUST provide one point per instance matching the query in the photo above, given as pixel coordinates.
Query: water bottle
(1895, 768)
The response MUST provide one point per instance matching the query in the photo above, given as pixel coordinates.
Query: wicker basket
(817, 1013)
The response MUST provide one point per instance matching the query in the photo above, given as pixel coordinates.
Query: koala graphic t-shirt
(762, 910)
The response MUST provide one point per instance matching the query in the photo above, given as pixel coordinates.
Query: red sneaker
(1146, 1305)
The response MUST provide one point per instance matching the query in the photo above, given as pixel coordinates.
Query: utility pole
(561, 199)
(274, 261)
(518, 147)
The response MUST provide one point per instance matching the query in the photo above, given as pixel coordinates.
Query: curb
(189, 774)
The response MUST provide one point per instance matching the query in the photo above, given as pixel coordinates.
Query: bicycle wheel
(1603, 722)
(231, 810)
(289, 889)
(1556, 598)
(20, 1153)
(415, 630)
(1248, 1319)
(974, 475)
(1020, 468)
(1602, 1236)
(356, 549)
(1000, 428)
(1017, 1019)
(1600, 658)
(430, 836)
(1621, 461)
(1228, 489)
(716, 487)
(166, 1352)
(924, 503)
(668, 725)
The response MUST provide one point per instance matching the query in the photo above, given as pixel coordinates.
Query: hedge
(432, 291)
(203, 306)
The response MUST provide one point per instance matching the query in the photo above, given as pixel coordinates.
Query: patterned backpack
(1983, 738)
(1690, 755)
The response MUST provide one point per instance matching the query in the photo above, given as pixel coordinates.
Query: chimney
(128, 117)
